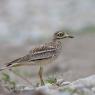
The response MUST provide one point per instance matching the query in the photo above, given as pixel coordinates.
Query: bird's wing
(42, 52)
(39, 53)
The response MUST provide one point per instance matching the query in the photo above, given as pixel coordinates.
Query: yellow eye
(61, 34)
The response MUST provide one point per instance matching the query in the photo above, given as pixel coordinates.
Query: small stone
(65, 83)
(59, 82)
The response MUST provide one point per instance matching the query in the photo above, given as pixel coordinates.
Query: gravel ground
(85, 86)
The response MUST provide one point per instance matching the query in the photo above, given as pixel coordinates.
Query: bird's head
(61, 35)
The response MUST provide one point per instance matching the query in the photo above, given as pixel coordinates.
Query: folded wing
(39, 53)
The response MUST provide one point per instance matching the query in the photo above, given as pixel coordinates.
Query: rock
(85, 86)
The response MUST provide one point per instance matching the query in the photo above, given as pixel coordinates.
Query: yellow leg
(41, 75)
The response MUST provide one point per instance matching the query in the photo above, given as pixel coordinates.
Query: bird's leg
(41, 75)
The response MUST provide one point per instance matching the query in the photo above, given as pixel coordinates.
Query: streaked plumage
(38, 54)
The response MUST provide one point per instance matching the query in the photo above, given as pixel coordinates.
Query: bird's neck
(57, 43)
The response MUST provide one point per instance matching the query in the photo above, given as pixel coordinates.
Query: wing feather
(42, 52)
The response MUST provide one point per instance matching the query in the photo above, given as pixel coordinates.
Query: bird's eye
(61, 34)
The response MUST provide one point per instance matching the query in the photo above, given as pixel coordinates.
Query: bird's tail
(9, 66)
(4, 68)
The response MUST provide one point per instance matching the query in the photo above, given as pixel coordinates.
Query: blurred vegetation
(89, 29)
(8, 83)
(51, 80)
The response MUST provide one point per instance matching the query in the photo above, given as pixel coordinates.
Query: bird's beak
(68, 36)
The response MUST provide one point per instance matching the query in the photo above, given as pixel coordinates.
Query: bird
(41, 55)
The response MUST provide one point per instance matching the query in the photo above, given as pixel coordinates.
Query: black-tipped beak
(70, 36)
